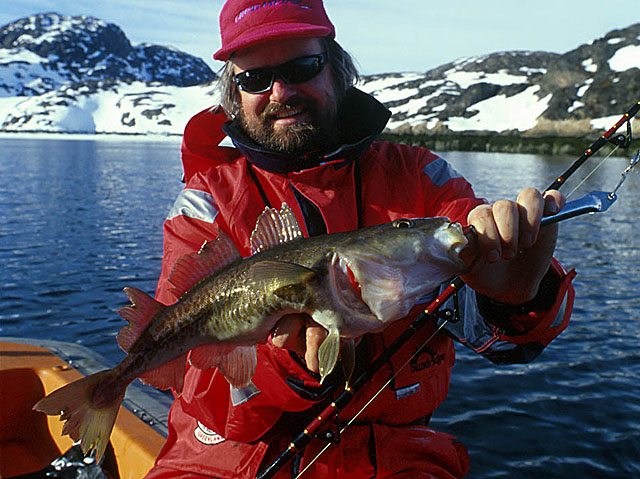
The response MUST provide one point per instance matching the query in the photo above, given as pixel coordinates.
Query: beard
(298, 139)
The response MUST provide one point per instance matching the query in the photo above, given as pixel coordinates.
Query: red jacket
(218, 431)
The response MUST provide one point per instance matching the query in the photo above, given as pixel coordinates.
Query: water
(82, 219)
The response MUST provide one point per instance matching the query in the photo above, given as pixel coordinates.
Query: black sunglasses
(298, 70)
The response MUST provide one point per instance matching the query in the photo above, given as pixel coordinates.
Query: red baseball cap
(247, 22)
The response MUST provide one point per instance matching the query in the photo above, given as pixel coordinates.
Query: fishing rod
(596, 201)
(620, 140)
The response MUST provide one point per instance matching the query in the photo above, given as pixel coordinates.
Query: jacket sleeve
(506, 334)
(190, 223)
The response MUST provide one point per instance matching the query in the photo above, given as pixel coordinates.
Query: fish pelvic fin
(192, 268)
(236, 363)
(142, 310)
(239, 366)
(328, 353)
(273, 228)
(84, 421)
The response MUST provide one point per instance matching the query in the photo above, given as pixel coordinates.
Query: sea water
(82, 218)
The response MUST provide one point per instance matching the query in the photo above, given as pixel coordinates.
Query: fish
(351, 283)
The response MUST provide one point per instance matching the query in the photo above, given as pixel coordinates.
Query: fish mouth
(345, 267)
(458, 244)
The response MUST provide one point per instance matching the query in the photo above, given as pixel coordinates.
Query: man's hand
(512, 253)
(302, 335)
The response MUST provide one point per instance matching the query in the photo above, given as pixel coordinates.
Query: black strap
(357, 174)
(252, 173)
(312, 215)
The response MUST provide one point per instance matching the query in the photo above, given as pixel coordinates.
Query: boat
(32, 442)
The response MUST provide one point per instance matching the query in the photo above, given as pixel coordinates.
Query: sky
(383, 35)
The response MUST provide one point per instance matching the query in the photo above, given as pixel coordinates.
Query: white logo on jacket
(206, 435)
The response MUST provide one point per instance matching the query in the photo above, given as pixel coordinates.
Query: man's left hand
(512, 254)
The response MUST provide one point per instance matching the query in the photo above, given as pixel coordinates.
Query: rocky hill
(535, 93)
(80, 74)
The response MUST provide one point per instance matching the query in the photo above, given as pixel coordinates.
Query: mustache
(291, 105)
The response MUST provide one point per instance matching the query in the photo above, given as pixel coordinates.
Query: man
(295, 131)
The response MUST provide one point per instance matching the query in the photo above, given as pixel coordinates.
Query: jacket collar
(360, 120)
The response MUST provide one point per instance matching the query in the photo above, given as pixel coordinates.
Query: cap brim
(271, 32)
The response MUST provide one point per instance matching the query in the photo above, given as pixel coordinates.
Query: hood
(361, 119)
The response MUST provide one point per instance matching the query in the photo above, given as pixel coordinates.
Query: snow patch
(625, 58)
(466, 79)
(589, 65)
(574, 106)
(501, 113)
(604, 123)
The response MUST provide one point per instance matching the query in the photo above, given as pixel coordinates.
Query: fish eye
(403, 223)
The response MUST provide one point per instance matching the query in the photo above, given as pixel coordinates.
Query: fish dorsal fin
(142, 310)
(194, 267)
(274, 228)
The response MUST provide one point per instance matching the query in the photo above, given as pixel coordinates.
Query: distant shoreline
(551, 145)
(48, 135)
(446, 142)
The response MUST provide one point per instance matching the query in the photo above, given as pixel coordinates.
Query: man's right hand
(300, 334)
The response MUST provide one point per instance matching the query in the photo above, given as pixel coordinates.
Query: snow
(604, 123)
(387, 82)
(502, 113)
(394, 94)
(625, 58)
(589, 65)
(125, 110)
(466, 79)
(575, 105)
(581, 91)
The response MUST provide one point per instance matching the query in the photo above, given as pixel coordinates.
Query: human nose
(281, 91)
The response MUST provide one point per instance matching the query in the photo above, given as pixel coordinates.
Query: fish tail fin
(84, 420)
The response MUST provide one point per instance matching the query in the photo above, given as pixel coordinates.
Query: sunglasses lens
(254, 81)
(302, 69)
(296, 71)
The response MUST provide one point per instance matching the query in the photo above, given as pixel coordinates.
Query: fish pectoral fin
(348, 357)
(236, 363)
(281, 277)
(239, 366)
(328, 353)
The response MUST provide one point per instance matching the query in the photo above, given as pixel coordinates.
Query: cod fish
(351, 283)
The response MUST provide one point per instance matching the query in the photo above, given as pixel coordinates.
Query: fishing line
(592, 171)
(389, 381)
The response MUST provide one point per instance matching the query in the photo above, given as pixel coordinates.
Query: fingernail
(493, 256)
(552, 208)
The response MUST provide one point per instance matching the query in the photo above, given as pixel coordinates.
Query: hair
(343, 71)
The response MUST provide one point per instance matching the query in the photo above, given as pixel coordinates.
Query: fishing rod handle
(594, 202)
